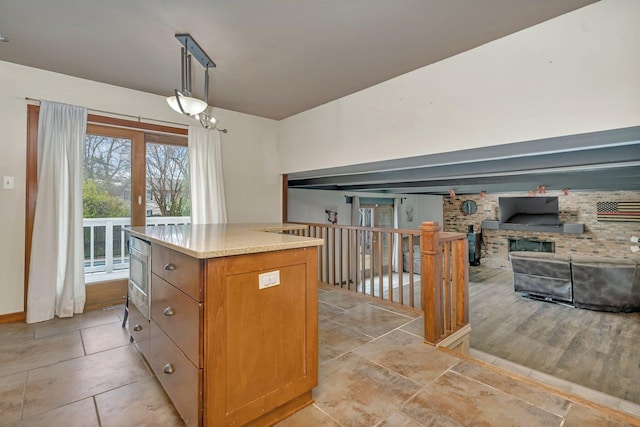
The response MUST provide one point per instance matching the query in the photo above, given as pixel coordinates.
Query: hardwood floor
(595, 349)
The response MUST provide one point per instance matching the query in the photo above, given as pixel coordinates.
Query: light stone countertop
(219, 240)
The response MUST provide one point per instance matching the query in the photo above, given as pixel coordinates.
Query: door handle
(168, 369)
(137, 328)
(168, 311)
(169, 267)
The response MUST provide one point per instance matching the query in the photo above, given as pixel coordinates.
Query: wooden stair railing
(445, 289)
(443, 284)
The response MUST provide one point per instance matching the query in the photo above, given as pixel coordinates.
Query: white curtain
(205, 169)
(56, 275)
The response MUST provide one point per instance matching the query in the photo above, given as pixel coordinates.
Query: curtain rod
(140, 119)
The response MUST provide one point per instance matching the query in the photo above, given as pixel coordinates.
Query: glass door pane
(167, 184)
(106, 205)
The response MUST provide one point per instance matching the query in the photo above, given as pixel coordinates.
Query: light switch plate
(7, 182)
(267, 280)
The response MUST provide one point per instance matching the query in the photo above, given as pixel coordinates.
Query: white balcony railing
(105, 243)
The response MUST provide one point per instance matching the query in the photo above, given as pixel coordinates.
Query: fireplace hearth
(531, 245)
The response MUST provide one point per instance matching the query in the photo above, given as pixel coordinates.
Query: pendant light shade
(186, 105)
(207, 121)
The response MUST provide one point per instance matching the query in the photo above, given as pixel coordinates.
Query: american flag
(618, 211)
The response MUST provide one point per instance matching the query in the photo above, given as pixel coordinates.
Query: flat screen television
(529, 210)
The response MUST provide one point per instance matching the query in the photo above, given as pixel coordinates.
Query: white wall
(252, 183)
(309, 206)
(574, 74)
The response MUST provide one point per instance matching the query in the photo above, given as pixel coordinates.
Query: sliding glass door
(118, 190)
(130, 178)
(167, 180)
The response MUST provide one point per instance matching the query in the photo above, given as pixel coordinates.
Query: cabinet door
(179, 377)
(181, 270)
(262, 342)
(179, 316)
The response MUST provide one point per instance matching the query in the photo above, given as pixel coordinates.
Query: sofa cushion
(541, 264)
(608, 284)
(543, 274)
(599, 261)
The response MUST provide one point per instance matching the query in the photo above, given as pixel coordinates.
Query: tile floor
(374, 371)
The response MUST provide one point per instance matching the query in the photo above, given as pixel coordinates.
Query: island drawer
(179, 316)
(182, 271)
(180, 379)
(139, 330)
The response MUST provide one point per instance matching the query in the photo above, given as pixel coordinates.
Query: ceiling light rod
(190, 44)
(194, 49)
(183, 102)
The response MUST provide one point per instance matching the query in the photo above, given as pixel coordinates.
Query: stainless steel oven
(140, 275)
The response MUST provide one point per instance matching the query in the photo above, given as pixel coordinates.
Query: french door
(130, 178)
(134, 173)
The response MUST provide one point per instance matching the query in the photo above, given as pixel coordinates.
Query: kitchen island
(233, 333)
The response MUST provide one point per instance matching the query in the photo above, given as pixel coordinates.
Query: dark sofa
(541, 274)
(606, 284)
(595, 283)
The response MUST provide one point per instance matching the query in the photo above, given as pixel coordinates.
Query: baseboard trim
(20, 316)
(458, 341)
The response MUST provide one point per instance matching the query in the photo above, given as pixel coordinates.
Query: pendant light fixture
(182, 101)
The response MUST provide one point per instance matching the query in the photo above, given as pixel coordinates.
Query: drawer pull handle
(137, 328)
(169, 267)
(168, 368)
(168, 311)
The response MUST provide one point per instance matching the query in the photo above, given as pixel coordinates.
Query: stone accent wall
(600, 238)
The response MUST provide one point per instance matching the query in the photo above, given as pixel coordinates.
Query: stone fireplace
(600, 238)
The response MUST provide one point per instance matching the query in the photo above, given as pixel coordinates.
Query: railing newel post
(462, 283)
(431, 261)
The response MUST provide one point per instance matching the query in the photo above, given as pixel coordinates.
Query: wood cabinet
(226, 350)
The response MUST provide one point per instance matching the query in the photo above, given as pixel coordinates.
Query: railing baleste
(389, 265)
(376, 262)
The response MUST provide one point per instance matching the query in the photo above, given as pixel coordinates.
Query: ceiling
(275, 58)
